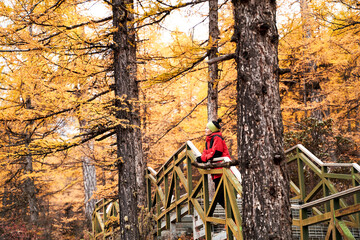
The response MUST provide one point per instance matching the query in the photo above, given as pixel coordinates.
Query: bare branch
(221, 58)
(191, 111)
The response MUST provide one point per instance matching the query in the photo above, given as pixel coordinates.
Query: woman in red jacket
(214, 147)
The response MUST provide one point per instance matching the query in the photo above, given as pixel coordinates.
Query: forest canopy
(59, 116)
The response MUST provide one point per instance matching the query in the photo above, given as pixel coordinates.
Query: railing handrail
(327, 198)
(318, 161)
(197, 153)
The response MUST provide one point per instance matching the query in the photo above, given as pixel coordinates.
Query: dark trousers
(220, 195)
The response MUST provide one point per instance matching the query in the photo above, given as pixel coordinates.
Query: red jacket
(218, 149)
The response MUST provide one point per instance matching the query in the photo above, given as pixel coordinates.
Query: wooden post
(167, 215)
(356, 195)
(190, 186)
(148, 188)
(334, 205)
(304, 230)
(177, 194)
(158, 211)
(228, 212)
(207, 224)
(326, 191)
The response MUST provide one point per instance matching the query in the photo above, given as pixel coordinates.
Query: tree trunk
(89, 177)
(126, 88)
(266, 206)
(30, 191)
(212, 104)
(29, 184)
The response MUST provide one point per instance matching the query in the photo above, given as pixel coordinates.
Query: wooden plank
(213, 204)
(328, 198)
(198, 208)
(296, 222)
(182, 178)
(210, 171)
(169, 190)
(197, 189)
(232, 197)
(236, 230)
(181, 159)
(233, 180)
(310, 164)
(316, 219)
(338, 176)
(292, 158)
(344, 230)
(216, 220)
(172, 207)
(330, 230)
(315, 190)
(347, 210)
(342, 212)
(294, 188)
(161, 195)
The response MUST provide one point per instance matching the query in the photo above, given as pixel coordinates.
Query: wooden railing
(329, 190)
(105, 218)
(178, 185)
(327, 195)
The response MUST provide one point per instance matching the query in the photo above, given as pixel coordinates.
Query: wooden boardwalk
(325, 199)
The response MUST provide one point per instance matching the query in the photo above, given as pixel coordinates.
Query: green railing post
(304, 230)
(167, 215)
(326, 190)
(334, 205)
(158, 211)
(355, 183)
(177, 196)
(228, 211)
(190, 186)
(207, 224)
(104, 218)
(148, 188)
(301, 178)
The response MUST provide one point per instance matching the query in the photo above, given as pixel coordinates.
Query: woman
(214, 147)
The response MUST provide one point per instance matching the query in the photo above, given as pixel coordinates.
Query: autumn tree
(266, 206)
(213, 69)
(322, 72)
(126, 92)
(46, 58)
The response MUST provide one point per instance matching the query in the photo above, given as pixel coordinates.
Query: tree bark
(266, 206)
(213, 69)
(89, 178)
(126, 91)
(29, 184)
(212, 104)
(30, 191)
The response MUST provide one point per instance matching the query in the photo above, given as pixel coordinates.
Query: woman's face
(208, 132)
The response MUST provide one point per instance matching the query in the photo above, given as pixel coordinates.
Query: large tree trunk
(212, 105)
(266, 207)
(126, 88)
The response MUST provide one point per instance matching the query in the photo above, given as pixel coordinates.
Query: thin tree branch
(191, 111)
(221, 58)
